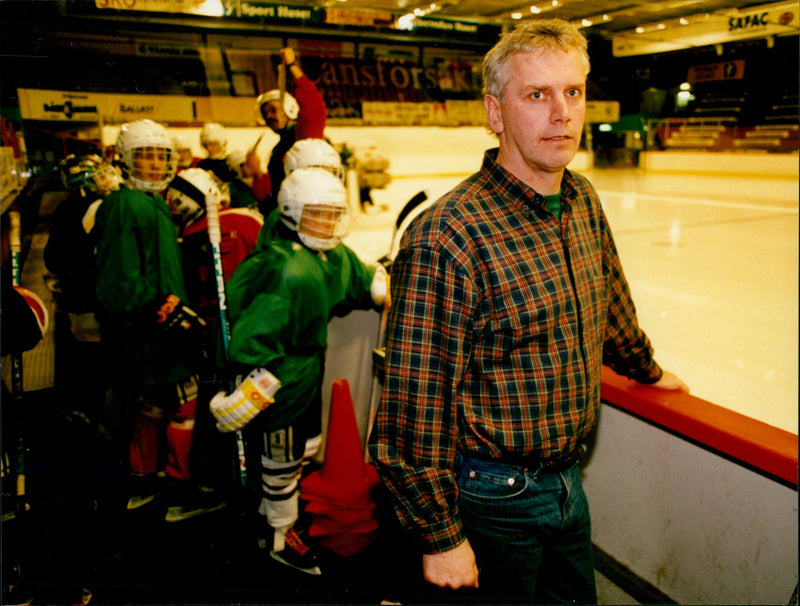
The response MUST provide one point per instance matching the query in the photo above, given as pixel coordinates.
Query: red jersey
(310, 124)
(239, 228)
(313, 112)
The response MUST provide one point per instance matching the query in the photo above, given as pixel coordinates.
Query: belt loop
(539, 469)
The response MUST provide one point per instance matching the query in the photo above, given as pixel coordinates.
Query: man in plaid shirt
(508, 296)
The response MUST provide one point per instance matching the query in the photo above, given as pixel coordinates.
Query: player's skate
(297, 554)
(144, 488)
(200, 502)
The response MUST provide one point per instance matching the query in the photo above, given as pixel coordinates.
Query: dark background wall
(67, 46)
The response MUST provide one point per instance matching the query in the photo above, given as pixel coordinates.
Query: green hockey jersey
(138, 264)
(280, 300)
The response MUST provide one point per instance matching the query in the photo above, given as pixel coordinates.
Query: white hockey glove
(250, 397)
(379, 288)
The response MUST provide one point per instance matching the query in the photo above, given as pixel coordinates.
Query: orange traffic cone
(344, 457)
(339, 496)
(344, 474)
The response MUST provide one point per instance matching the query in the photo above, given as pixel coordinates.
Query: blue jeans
(530, 531)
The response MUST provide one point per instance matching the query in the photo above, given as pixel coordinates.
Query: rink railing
(765, 448)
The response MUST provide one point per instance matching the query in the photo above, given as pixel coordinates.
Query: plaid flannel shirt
(501, 318)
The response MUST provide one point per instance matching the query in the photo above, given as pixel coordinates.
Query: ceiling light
(684, 21)
(516, 15)
(683, 98)
(590, 20)
(406, 22)
(211, 8)
(424, 11)
(536, 10)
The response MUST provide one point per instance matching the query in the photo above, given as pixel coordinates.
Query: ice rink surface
(713, 265)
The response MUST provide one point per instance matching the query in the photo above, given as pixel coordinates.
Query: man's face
(273, 115)
(150, 163)
(540, 121)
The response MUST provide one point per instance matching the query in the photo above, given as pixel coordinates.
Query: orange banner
(726, 70)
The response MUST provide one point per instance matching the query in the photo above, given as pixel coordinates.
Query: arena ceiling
(607, 16)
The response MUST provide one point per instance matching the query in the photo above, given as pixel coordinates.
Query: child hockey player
(281, 299)
(214, 139)
(249, 185)
(185, 154)
(69, 257)
(69, 252)
(213, 454)
(150, 337)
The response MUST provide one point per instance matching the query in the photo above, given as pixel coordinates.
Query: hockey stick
(379, 353)
(17, 387)
(214, 236)
(404, 213)
(282, 82)
(255, 145)
(378, 357)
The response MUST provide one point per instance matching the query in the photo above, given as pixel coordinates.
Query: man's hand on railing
(670, 381)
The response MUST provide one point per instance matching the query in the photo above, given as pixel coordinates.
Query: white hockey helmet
(90, 174)
(313, 152)
(235, 160)
(213, 132)
(189, 192)
(313, 203)
(290, 106)
(147, 155)
(183, 150)
(180, 142)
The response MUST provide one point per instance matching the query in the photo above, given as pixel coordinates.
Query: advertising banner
(64, 106)
(777, 19)
(726, 70)
(332, 16)
(602, 111)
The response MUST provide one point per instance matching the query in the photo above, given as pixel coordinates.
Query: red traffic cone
(344, 458)
(345, 479)
(339, 496)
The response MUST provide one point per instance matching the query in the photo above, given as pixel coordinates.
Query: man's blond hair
(530, 36)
